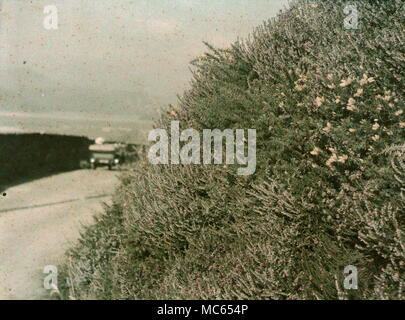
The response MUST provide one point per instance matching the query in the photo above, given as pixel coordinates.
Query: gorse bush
(327, 104)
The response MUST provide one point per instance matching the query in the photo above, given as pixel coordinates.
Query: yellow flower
(350, 105)
(346, 82)
(402, 124)
(299, 87)
(331, 160)
(359, 92)
(352, 130)
(342, 159)
(319, 101)
(328, 127)
(375, 137)
(366, 80)
(363, 82)
(316, 151)
(335, 158)
(399, 112)
(376, 126)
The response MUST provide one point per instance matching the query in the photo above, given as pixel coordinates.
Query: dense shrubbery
(25, 156)
(327, 104)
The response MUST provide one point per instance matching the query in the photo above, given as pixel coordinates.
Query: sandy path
(39, 220)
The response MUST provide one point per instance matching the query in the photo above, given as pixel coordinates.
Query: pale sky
(111, 58)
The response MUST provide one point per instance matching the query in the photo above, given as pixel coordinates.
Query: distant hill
(29, 156)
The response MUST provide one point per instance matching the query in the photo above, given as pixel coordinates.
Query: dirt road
(39, 220)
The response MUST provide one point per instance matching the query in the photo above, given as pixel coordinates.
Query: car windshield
(103, 155)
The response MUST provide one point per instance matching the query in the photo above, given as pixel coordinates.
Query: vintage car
(104, 155)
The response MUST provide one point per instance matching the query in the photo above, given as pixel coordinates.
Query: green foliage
(327, 104)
